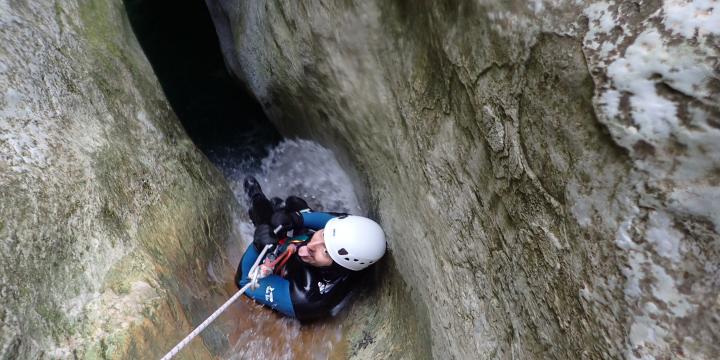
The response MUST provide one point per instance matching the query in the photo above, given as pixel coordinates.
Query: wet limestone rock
(110, 218)
(546, 171)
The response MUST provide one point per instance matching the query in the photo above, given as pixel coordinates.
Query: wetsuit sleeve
(274, 291)
(316, 220)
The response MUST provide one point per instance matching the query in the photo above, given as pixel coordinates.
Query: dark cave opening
(179, 40)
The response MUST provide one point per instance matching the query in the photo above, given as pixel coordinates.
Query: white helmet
(354, 242)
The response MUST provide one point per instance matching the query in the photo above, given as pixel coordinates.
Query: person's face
(315, 253)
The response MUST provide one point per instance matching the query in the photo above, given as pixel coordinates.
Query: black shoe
(252, 187)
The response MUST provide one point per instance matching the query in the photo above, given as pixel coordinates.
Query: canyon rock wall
(546, 172)
(110, 218)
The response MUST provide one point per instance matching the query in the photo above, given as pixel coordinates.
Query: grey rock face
(109, 216)
(546, 172)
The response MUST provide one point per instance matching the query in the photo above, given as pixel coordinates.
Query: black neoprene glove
(264, 236)
(285, 221)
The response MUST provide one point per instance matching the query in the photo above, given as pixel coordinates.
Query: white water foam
(302, 168)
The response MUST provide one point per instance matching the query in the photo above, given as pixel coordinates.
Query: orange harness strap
(280, 261)
(283, 259)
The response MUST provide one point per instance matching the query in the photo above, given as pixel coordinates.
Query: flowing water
(308, 170)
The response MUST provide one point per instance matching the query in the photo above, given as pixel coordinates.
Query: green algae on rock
(110, 215)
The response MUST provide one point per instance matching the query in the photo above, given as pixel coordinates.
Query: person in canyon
(317, 266)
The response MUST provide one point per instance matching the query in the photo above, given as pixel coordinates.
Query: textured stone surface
(109, 216)
(547, 172)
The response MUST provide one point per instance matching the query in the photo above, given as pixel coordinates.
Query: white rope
(253, 275)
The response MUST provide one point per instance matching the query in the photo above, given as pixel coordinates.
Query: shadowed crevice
(179, 40)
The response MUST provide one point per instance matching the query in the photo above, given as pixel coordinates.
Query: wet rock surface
(112, 223)
(546, 172)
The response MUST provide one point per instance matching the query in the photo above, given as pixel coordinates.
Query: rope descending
(254, 276)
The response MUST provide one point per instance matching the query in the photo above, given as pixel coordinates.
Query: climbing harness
(254, 276)
(271, 263)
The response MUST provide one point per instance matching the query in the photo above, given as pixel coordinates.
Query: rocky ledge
(110, 218)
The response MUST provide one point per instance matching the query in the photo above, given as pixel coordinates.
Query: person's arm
(274, 291)
(316, 220)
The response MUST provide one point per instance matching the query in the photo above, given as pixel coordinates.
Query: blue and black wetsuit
(306, 292)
